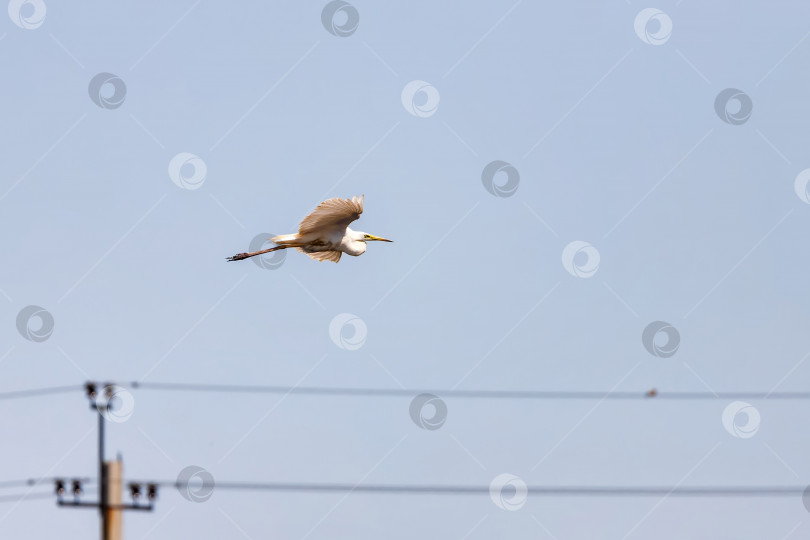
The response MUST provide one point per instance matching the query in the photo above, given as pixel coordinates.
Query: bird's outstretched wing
(332, 213)
(333, 256)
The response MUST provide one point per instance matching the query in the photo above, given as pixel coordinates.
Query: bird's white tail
(284, 239)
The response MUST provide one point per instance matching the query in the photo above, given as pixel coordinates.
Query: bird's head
(365, 237)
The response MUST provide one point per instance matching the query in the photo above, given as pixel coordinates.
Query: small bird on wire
(325, 234)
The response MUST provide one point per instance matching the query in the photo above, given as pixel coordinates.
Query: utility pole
(110, 477)
(112, 519)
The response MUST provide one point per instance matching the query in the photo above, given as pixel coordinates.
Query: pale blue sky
(617, 143)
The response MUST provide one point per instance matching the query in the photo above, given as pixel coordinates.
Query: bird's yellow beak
(377, 238)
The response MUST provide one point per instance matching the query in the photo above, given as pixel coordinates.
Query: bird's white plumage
(325, 234)
(333, 256)
(332, 214)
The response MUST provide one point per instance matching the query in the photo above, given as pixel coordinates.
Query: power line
(37, 481)
(443, 490)
(15, 394)
(493, 394)
(25, 496)
(636, 491)
(398, 392)
(426, 489)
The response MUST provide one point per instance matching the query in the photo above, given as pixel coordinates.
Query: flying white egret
(325, 234)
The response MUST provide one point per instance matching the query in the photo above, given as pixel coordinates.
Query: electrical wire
(423, 489)
(651, 394)
(436, 489)
(22, 497)
(46, 481)
(40, 391)
(634, 491)
(494, 394)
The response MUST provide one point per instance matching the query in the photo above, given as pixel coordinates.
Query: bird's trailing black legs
(240, 256)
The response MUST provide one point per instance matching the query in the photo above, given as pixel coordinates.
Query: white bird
(325, 234)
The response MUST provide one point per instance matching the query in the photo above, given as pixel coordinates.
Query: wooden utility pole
(112, 522)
